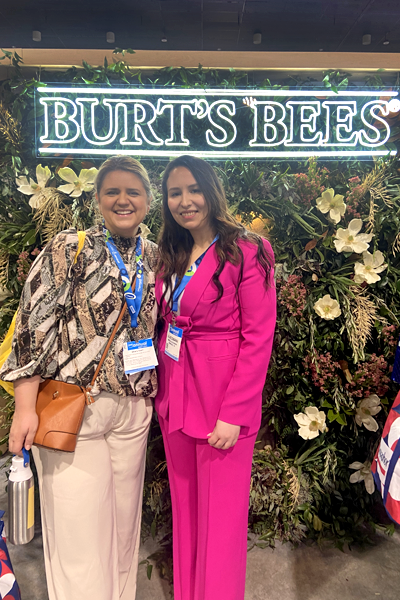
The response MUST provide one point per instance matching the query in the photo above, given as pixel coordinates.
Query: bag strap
(81, 242)
(106, 349)
(89, 399)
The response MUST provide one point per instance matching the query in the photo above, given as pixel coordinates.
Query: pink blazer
(225, 350)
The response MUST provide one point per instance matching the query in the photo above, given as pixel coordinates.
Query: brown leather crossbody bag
(60, 406)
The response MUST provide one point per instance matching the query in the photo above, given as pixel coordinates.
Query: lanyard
(178, 291)
(133, 300)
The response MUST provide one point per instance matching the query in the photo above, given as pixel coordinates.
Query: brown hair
(123, 163)
(176, 242)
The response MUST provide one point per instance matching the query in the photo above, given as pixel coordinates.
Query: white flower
(366, 409)
(31, 188)
(310, 422)
(251, 102)
(363, 473)
(373, 264)
(4, 293)
(144, 231)
(327, 308)
(77, 185)
(348, 240)
(328, 202)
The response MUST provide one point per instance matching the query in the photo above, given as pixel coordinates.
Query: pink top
(225, 350)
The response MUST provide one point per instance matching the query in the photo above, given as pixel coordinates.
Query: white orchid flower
(327, 308)
(373, 264)
(31, 188)
(77, 185)
(310, 422)
(328, 202)
(366, 409)
(363, 473)
(349, 240)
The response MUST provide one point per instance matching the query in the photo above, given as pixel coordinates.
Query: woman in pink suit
(216, 294)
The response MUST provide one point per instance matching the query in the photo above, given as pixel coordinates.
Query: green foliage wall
(338, 363)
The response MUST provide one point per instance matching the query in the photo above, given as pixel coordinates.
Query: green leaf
(153, 529)
(341, 419)
(29, 238)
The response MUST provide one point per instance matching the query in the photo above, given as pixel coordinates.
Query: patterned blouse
(67, 313)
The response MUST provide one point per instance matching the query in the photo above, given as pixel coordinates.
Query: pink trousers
(210, 502)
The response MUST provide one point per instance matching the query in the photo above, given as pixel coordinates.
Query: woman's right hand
(25, 421)
(23, 430)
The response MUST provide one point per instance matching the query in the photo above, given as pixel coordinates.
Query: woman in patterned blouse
(91, 499)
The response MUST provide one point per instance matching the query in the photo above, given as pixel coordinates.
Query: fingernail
(209, 434)
(27, 447)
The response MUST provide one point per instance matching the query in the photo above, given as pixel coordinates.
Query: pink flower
(292, 295)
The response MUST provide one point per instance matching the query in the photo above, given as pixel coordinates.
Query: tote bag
(386, 464)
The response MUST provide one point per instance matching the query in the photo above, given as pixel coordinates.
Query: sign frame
(199, 103)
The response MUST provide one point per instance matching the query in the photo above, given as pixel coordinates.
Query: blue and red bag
(386, 465)
(9, 589)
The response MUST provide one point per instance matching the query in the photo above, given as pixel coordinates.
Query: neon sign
(214, 123)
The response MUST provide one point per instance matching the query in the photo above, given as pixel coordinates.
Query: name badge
(139, 356)
(173, 342)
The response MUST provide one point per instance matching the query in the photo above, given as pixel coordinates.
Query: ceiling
(285, 25)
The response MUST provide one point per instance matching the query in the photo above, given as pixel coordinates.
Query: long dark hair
(175, 242)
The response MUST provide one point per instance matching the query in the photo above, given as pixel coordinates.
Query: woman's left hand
(224, 435)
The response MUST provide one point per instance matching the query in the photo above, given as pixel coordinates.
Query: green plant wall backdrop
(335, 230)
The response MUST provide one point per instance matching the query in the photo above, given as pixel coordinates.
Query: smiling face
(186, 201)
(123, 202)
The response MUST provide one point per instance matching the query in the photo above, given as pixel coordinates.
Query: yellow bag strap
(81, 242)
(5, 350)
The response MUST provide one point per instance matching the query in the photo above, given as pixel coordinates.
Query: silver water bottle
(21, 501)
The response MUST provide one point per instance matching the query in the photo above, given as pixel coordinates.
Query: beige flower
(327, 308)
(249, 101)
(328, 202)
(77, 185)
(366, 409)
(349, 240)
(144, 230)
(33, 189)
(310, 422)
(363, 473)
(4, 293)
(373, 264)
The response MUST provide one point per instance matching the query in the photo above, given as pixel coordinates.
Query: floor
(285, 573)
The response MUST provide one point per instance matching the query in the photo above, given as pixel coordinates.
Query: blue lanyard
(133, 300)
(178, 291)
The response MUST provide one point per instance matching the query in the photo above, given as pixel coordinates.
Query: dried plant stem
(360, 315)
(53, 215)
(294, 486)
(4, 265)
(375, 184)
(10, 129)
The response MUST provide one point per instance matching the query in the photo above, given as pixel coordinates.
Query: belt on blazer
(186, 324)
(213, 335)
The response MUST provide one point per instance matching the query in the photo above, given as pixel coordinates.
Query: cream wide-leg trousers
(91, 502)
